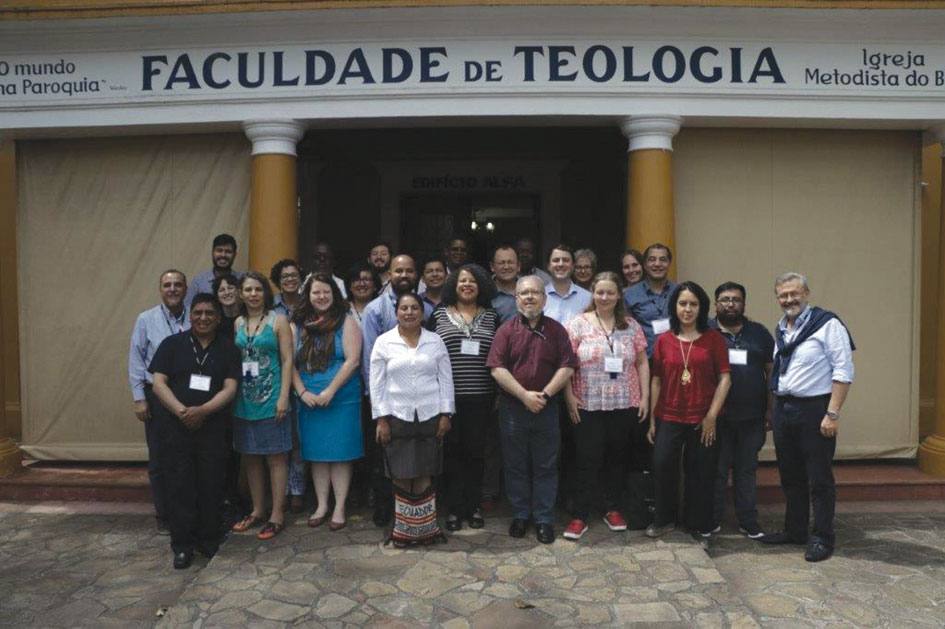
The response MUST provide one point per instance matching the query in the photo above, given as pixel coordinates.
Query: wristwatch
(545, 395)
(834, 415)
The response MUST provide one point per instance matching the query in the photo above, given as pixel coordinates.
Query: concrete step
(78, 480)
(868, 481)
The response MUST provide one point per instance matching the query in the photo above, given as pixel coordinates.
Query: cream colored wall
(837, 206)
(98, 221)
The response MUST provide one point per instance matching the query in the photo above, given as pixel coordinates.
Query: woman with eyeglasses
(287, 275)
(585, 267)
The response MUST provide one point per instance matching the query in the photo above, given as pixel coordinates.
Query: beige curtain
(98, 221)
(838, 206)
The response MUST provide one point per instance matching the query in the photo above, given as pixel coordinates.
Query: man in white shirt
(811, 376)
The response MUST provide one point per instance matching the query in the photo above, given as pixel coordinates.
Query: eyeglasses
(527, 293)
(290, 276)
(583, 267)
(361, 279)
(731, 300)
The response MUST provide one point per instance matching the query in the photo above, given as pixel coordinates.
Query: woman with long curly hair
(327, 383)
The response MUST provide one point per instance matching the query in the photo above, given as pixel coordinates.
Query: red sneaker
(575, 529)
(615, 521)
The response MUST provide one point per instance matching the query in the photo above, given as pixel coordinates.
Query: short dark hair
(560, 247)
(430, 259)
(181, 273)
(354, 273)
(383, 243)
(268, 298)
(726, 286)
(658, 245)
(206, 298)
(499, 247)
(224, 239)
(229, 278)
(275, 274)
(411, 295)
(702, 319)
(486, 288)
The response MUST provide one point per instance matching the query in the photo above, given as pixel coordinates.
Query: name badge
(660, 326)
(470, 348)
(738, 356)
(250, 369)
(613, 365)
(199, 383)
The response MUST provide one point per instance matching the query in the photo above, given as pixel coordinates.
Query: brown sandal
(247, 523)
(270, 530)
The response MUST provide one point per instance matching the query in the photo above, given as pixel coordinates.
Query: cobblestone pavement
(65, 564)
(888, 570)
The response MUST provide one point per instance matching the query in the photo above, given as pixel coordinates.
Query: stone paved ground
(70, 564)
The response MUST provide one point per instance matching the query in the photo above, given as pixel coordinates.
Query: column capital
(274, 136)
(651, 131)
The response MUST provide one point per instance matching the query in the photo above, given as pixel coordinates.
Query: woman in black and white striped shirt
(467, 323)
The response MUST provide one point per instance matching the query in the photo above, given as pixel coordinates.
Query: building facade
(751, 139)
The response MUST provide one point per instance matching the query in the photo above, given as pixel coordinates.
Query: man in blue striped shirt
(152, 327)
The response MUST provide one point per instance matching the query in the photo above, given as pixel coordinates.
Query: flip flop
(247, 523)
(270, 530)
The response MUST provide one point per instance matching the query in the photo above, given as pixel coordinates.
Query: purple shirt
(532, 355)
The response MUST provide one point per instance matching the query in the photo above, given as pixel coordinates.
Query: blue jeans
(530, 458)
(739, 444)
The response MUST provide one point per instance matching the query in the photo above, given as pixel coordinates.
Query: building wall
(840, 207)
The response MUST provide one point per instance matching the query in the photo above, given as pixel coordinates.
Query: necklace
(686, 377)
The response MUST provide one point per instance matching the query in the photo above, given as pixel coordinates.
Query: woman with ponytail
(327, 383)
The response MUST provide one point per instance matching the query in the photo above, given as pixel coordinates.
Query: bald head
(403, 274)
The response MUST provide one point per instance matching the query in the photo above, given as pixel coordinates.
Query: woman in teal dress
(261, 430)
(326, 380)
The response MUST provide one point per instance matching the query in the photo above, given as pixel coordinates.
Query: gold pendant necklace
(686, 376)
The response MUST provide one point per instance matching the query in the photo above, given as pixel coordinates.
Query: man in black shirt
(747, 414)
(196, 374)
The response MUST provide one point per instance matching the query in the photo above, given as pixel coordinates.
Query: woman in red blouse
(690, 379)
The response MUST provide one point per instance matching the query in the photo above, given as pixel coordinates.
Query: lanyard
(199, 362)
(251, 338)
(608, 336)
(180, 322)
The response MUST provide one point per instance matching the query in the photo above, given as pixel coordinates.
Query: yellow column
(274, 219)
(932, 449)
(651, 214)
(10, 458)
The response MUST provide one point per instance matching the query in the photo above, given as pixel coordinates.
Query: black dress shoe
(545, 533)
(781, 537)
(476, 520)
(518, 528)
(183, 560)
(207, 551)
(453, 523)
(382, 516)
(818, 552)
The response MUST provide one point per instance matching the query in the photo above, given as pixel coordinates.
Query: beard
(729, 319)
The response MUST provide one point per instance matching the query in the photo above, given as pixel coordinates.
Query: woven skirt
(262, 436)
(414, 449)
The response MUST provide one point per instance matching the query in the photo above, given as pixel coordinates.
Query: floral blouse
(596, 388)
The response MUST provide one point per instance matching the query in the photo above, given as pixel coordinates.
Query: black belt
(802, 400)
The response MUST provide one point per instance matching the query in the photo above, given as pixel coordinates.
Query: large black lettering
(242, 66)
(555, 63)
(695, 65)
(610, 63)
(628, 74)
(208, 77)
(428, 63)
(277, 71)
(362, 71)
(406, 65)
(148, 71)
(311, 75)
(679, 63)
(183, 72)
(766, 65)
(529, 52)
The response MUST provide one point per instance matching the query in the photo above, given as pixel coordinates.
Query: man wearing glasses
(531, 359)
(747, 415)
(456, 254)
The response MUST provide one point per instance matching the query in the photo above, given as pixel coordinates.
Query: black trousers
(601, 440)
(804, 459)
(464, 454)
(155, 473)
(194, 464)
(700, 463)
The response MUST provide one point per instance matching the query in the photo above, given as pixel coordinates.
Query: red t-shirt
(708, 360)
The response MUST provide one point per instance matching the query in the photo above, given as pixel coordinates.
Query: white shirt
(407, 381)
(817, 362)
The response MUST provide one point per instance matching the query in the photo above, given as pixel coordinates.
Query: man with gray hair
(531, 359)
(810, 378)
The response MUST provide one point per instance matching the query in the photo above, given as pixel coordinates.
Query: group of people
(419, 382)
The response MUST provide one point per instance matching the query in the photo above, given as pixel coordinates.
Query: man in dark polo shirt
(196, 373)
(747, 414)
(531, 359)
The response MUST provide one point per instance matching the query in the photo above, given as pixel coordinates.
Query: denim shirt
(644, 305)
